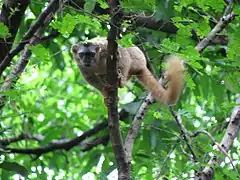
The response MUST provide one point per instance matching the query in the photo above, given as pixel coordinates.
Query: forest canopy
(54, 125)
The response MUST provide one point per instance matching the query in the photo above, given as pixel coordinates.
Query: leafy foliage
(52, 99)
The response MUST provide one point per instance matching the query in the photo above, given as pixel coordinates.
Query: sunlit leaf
(3, 31)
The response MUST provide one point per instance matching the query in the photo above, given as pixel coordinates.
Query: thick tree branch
(112, 79)
(150, 22)
(12, 20)
(57, 144)
(84, 147)
(51, 9)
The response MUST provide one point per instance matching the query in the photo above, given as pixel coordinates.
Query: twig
(216, 143)
(165, 160)
(50, 36)
(183, 132)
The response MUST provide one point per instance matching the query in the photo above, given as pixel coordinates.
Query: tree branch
(57, 144)
(223, 22)
(20, 137)
(51, 9)
(137, 121)
(12, 20)
(112, 79)
(140, 20)
(226, 143)
(85, 146)
(37, 29)
(183, 132)
(132, 133)
(89, 145)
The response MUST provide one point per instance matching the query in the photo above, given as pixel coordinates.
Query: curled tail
(175, 78)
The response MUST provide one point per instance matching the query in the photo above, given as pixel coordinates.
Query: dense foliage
(52, 99)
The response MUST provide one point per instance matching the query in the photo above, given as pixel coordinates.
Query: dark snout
(88, 58)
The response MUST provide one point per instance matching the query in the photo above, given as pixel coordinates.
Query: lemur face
(86, 54)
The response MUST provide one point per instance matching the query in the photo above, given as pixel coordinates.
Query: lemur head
(86, 54)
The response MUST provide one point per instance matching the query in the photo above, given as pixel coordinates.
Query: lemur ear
(74, 48)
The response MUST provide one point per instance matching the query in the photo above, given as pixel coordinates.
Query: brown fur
(133, 62)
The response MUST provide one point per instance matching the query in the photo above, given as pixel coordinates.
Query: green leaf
(14, 92)
(233, 49)
(169, 46)
(132, 107)
(203, 28)
(57, 55)
(126, 40)
(103, 4)
(184, 35)
(189, 81)
(89, 5)
(66, 25)
(218, 90)
(15, 167)
(3, 31)
(42, 54)
(232, 81)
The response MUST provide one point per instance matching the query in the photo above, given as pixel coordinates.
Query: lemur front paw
(108, 101)
(121, 79)
(107, 87)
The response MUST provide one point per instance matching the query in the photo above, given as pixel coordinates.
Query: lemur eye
(91, 54)
(86, 55)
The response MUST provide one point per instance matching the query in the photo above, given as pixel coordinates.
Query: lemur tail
(175, 77)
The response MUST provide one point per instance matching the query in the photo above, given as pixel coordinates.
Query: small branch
(11, 15)
(149, 99)
(89, 145)
(50, 36)
(183, 132)
(216, 143)
(24, 59)
(57, 144)
(51, 9)
(22, 136)
(137, 121)
(226, 143)
(223, 22)
(165, 160)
